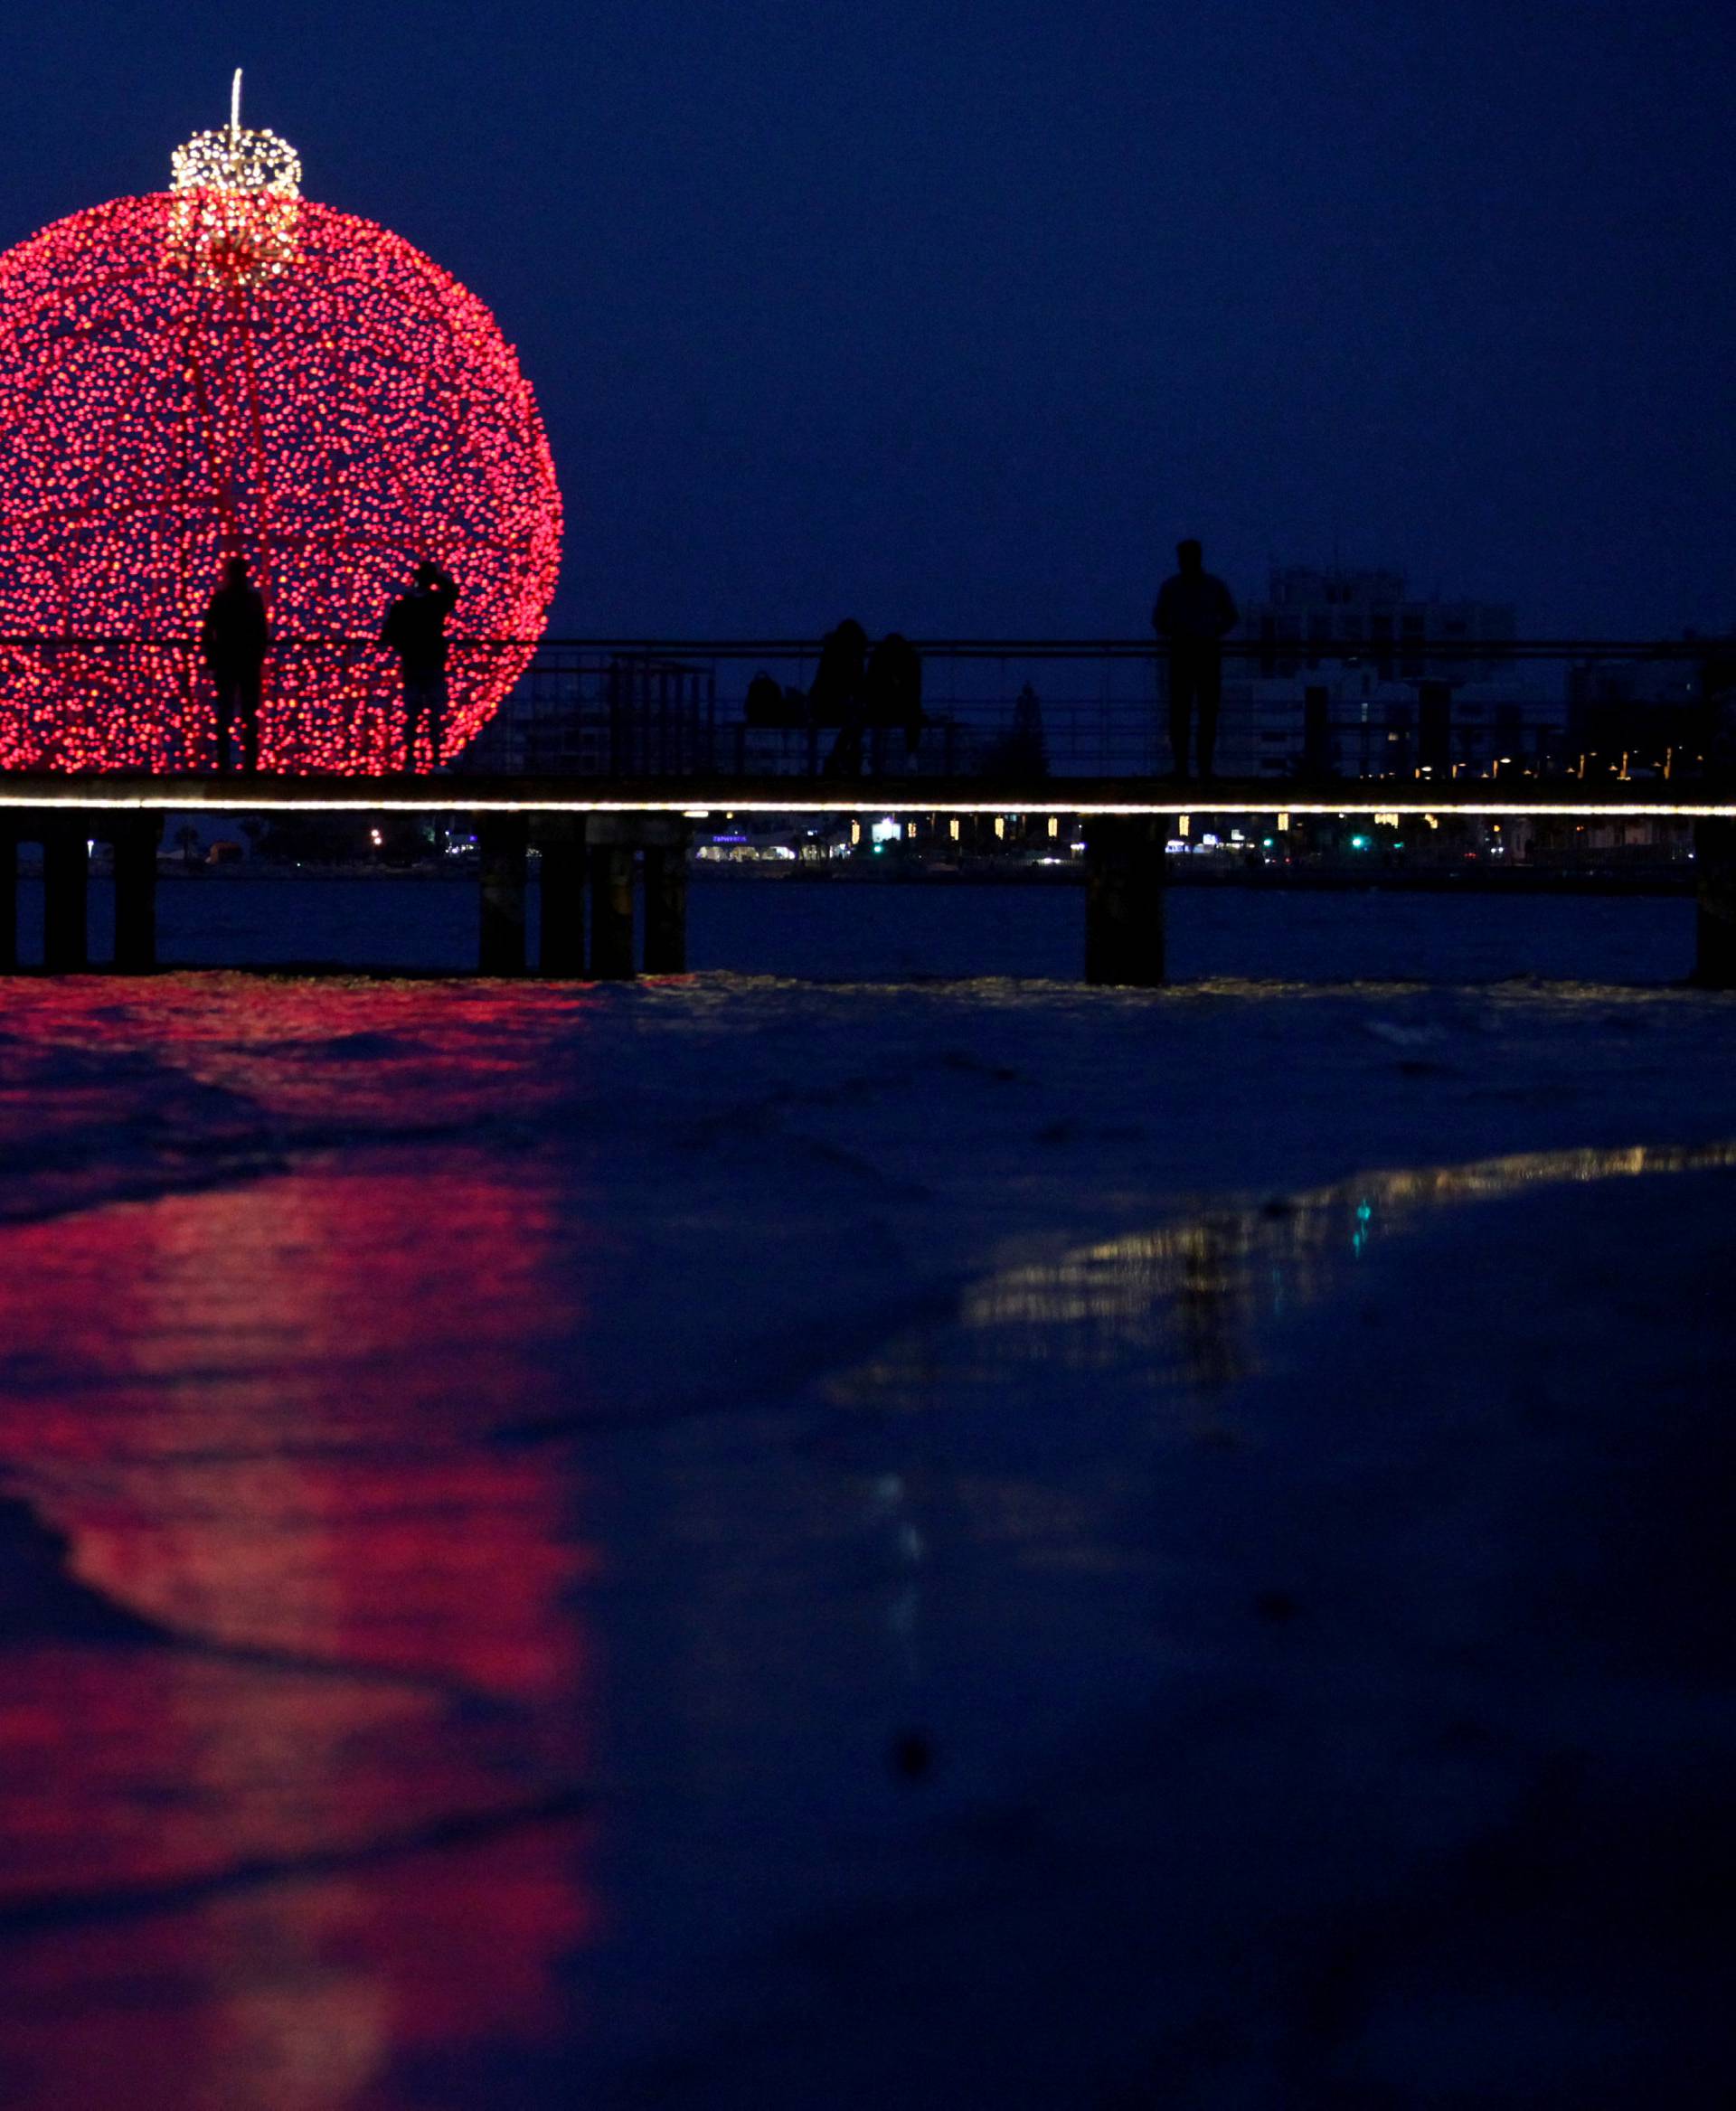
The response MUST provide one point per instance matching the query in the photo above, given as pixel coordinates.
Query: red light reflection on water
(259, 1413)
(315, 1996)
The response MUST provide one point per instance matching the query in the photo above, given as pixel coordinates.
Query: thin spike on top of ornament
(234, 159)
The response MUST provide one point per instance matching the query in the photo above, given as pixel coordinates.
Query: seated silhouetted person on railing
(769, 705)
(234, 639)
(894, 698)
(1194, 614)
(416, 631)
(836, 697)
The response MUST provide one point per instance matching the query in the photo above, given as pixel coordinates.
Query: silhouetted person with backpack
(234, 639)
(416, 631)
(1194, 614)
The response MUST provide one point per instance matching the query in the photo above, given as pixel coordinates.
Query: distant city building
(1368, 664)
(1648, 715)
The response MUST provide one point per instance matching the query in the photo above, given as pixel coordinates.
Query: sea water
(761, 1540)
(832, 929)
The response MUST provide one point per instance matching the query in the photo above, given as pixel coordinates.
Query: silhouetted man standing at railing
(895, 685)
(234, 639)
(416, 631)
(835, 697)
(1194, 614)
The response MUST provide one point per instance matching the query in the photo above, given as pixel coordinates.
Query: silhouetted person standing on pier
(233, 637)
(1194, 614)
(416, 631)
(895, 694)
(836, 697)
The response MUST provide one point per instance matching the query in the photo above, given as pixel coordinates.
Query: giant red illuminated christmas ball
(228, 369)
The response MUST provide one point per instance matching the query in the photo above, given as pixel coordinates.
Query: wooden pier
(608, 846)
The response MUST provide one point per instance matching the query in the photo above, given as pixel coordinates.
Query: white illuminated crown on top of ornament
(236, 160)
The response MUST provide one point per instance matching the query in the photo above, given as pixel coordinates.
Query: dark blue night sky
(953, 316)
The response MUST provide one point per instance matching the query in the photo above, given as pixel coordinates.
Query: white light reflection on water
(1190, 1297)
(1015, 1461)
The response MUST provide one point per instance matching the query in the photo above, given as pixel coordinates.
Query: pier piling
(611, 903)
(66, 893)
(1714, 860)
(561, 839)
(1124, 901)
(503, 843)
(665, 900)
(8, 899)
(135, 840)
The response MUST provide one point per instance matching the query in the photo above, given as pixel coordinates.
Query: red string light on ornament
(229, 369)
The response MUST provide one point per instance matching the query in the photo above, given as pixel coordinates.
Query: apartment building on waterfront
(1365, 661)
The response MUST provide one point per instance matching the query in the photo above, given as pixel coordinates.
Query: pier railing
(1039, 709)
(1019, 711)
